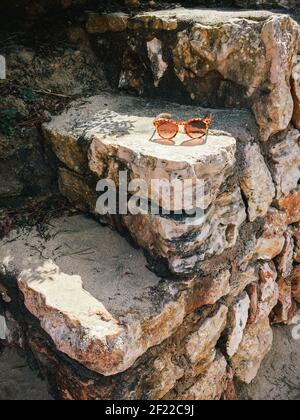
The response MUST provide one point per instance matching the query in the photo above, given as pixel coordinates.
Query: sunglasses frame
(166, 118)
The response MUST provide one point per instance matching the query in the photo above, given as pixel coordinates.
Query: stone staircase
(183, 308)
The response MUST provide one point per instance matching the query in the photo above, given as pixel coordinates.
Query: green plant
(27, 95)
(7, 117)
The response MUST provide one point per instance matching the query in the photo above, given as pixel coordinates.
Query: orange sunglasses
(196, 128)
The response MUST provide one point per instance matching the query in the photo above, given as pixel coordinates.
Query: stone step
(94, 295)
(127, 333)
(214, 58)
(107, 134)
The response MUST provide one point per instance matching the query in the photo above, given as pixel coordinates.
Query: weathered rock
(209, 290)
(228, 58)
(252, 290)
(186, 241)
(282, 311)
(237, 320)
(295, 279)
(114, 22)
(285, 163)
(200, 345)
(98, 139)
(256, 344)
(72, 297)
(158, 65)
(242, 279)
(285, 260)
(209, 386)
(76, 189)
(296, 92)
(296, 236)
(268, 290)
(174, 239)
(256, 183)
(164, 376)
(272, 241)
(110, 133)
(160, 370)
(291, 206)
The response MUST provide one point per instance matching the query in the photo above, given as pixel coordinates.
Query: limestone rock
(220, 58)
(242, 278)
(272, 241)
(68, 283)
(296, 93)
(209, 290)
(274, 111)
(282, 311)
(268, 290)
(256, 183)
(295, 279)
(175, 239)
(200, 345)
(252, 290)
(114, 22)
(204, 237)
(296, 236)
(158, 65)
(110, 133)
(286, 258)
(238, 317)
(77, 190)
(257, 342)
(202, 50)
(153, 22)
(285, 164)
(291, 206)
(164, 376)
(211, 384)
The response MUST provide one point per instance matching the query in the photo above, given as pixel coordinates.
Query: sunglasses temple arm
(152, 137)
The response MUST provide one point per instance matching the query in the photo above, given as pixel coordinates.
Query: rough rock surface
(290, 205)
(270, 244)
(279, 375)
(187, 241)
(285, 261)
(111, 133)
(238, 318)
(256, 344)
(68, 285)
(217, 58)
(295, 279)
(257, 183)
(210, 385)
(200, 346)
(147, 334)
(285, 164)
(92, 326)
(296, 92)
(282, 311)
(296, 236)
(268, 290)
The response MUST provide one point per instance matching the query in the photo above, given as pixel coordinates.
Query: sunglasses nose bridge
(182, 127)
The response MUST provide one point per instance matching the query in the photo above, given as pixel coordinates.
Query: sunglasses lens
(167, 130)
(196, 129)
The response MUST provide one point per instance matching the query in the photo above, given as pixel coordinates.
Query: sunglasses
(196, 128)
